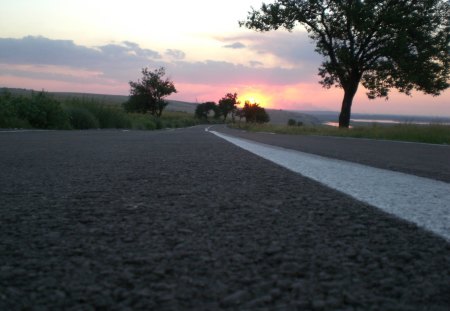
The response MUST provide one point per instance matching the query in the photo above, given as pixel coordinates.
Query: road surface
(183, 220)
(425, 160)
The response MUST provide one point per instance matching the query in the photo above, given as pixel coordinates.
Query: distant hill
(278, 116)
(174, 105)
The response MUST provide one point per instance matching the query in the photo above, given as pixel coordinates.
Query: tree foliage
(255, 113)
(382, 44)
(148, 93)
(228, 104)
(202, 111)
(39, 110)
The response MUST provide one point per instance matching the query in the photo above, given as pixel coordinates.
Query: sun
(254, 98)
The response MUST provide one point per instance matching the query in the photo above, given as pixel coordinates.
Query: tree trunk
(349, 93)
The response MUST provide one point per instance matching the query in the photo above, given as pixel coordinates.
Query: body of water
(387, 122)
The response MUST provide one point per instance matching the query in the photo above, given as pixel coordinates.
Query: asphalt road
(182, 220)
(424, 160)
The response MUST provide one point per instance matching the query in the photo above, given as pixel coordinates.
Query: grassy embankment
(433, 133)
(42, 110)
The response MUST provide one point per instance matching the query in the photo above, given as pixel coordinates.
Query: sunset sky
(97, 46)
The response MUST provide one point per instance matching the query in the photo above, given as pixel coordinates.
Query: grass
(41, 110)
(433, 133)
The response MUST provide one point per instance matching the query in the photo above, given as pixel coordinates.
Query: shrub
(43, 111)
(8, 113)
(106, 116)
(291, 122)
(38, 111)
(81, 118)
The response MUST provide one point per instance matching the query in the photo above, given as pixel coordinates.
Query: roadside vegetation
(42, 111)
(228, 105)
(433, 133)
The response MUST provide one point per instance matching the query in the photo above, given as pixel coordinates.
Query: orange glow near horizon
(255, 97)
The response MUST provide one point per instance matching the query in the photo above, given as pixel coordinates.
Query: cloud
(222, 73)
(66, 63)
(254, 63)
(123, 61)
(113, 61)
(235, 45)
(175, 54)
(294, 48)
(44, 51)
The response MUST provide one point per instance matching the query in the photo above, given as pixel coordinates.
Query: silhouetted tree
(291, 122)
(228, 104)
(255, 113)
(147, 94)
(240, 114)
(382, 44)
(203, 110)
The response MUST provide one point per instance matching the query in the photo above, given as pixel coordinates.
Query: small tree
(382, 44)
(203, 110)
(147, 95)
(228, 104)
(255, 113)
(291, 122)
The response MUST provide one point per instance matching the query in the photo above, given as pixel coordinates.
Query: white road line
(23, 131)
(423, 201)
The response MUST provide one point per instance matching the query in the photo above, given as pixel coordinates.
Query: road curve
(182, 220)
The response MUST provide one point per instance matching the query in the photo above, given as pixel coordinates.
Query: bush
(42, 111)
(81, 118)
(8, 113)
(291, 122)
(106, 116)
(38, 111)
(140, 122)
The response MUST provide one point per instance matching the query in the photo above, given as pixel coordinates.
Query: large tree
(148, 93)
(382, 44)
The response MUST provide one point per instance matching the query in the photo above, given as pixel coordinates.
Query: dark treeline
(228, 106)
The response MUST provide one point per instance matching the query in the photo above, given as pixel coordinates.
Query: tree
(202, 110)
(147, 95)
(291, 122)
(255, 113)
(382, 44)
(228, 104)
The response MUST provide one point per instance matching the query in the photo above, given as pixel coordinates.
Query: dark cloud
(123, 62)
(236, 45)
(295, 47)
(115, 61)
(175, 54)
(44, 51)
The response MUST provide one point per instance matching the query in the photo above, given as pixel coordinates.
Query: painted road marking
(23, 131)
(423, 201)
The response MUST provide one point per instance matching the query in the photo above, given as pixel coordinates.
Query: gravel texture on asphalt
(182, 220)
(419, 200)
(425, 160)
